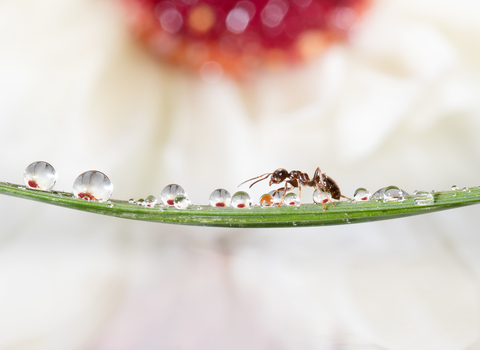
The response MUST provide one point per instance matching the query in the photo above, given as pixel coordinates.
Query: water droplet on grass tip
(40, 175)
(291, 199)
(93, 185)
(170, 192)
(393, 194)
(241, 200)
(423, 198)
(361, 194)
(266, 200)
(277, 197)
(220, 198)
(181, 201)
(150, 201)
(322, 197)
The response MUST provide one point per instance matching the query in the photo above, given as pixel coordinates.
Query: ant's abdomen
(332, 186)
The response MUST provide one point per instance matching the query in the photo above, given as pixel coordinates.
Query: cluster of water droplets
(94, 185)
(90, 185)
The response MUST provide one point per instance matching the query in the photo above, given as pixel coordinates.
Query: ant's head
(278, 176)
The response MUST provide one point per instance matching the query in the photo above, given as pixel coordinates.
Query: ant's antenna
(266, 176)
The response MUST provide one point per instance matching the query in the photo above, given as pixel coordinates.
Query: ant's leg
(322, 185)
(284, 193)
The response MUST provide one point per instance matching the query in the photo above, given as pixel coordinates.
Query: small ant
(320, 181)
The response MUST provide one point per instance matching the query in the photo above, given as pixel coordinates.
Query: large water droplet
(394, 194)
(241, 200)
(170, 192)
(361, 194)
(320, 198)
(266, 200)
(93, 185)
(423, 198)
(181, 201)
(291, 199)
(150, 201)
(40, 175)
(220, 198)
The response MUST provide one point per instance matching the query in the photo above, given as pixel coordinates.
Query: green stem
(343, 212)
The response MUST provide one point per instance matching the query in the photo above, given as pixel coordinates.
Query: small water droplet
(22, 188)
(150, 201)
(110, 205)
(241, 200)
(181, 201)
(361, 194)
(466, 189)
(140, 202)
(321, 198)
(131, 201)
(170, 192)
(40, 175)
(220, 198)
(394, 194)
(423, 198)
(291, 199)
(276, 197)
(266, 200)
(93, 185)
(455, 188)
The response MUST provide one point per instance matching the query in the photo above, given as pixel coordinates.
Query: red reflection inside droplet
(86, 196)
(33, 184)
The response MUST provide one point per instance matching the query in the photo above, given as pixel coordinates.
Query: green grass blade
(343, 212)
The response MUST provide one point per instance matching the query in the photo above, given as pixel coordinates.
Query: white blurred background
(396, 105)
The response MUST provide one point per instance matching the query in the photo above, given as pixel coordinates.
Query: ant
(320, 181)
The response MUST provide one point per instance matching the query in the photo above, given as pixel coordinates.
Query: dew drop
(170, 192)
(423, 198)
(291, 199)
(220, 198)
(266, 200)
(40, 175)
(150, 201)
(181, 201)
(277, 197)
(455, 188)
(379, 194)
(241, 200)
(93, 185)
(466, 189)
(394, 194)
(361, 194)
(131, 201)
(110, 205)
(319, 198)
(141, 202)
